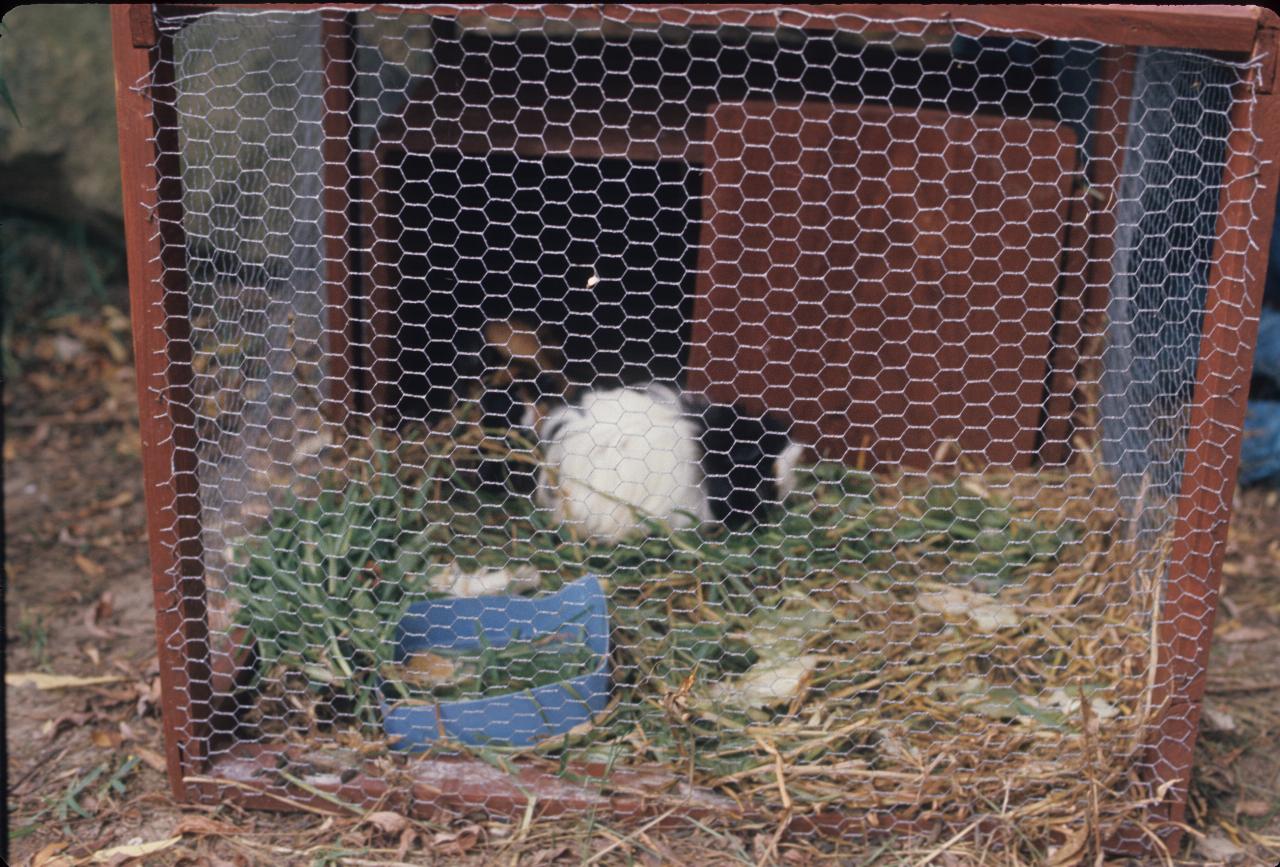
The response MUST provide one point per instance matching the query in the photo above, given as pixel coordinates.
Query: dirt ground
(85, 771)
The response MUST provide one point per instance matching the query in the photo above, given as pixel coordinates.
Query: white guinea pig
(612, 457)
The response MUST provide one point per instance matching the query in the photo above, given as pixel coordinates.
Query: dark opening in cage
(497, 237)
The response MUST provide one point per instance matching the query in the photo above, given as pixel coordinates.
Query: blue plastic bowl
(516, 719)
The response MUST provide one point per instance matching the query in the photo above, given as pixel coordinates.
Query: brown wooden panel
(885, 277)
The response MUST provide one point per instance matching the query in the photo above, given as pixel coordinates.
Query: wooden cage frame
(156, 260)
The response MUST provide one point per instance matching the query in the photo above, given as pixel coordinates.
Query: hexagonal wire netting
(855, 360)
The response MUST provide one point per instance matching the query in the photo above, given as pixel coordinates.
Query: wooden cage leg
(158, 287)
(1190, 593)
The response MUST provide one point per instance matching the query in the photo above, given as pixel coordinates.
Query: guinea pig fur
(612, 457)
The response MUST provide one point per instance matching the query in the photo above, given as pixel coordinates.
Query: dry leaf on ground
(1216, 847)
(152, 759)
(1071, 849)
(43, 681)
(988, 613)
(203, 826)
(89, 567)
(1215, 719)
(388, 822)
(97, 613)
(47, 855)
(120, 854)
(1247, 634)
(107, 740)
(54, 727)
(457, 842)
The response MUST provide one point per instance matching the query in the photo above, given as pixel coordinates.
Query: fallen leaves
(1215, 719)
(1069, 705)
(119, 854)
(204, 826)
(387, 822)
(549, 855)
(152, 760)
(1071, 850)
(456, 842)
(90, 568)
(56, 726)
(43, 382)
(1246, 634)
(98, 612)
(1216, 847)
(148, 696)
(767, 683)
(106, 739)
(45, 682)
(48, 854)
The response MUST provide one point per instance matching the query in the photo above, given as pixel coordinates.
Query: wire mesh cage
(824, 417)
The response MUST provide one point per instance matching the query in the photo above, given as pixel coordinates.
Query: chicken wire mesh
(854, 359)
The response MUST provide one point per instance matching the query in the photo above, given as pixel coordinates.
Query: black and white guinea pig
(611, 457)
(608, 455)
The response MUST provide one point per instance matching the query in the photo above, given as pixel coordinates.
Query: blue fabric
(1260, 452)
(1271, 294)
(1266, 357)
(516, 719)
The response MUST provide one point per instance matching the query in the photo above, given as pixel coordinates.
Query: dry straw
(971, 653)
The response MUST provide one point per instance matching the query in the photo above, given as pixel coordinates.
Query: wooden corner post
(1212, 454)
(156, 252)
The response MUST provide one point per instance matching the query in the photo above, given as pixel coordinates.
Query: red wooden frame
(1213, 444)
(156, 253)
(1208, 27)
(161, 339)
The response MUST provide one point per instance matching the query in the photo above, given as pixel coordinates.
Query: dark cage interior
(496, 237)
(524, 164)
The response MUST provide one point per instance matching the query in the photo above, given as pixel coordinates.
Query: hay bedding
(974, 646)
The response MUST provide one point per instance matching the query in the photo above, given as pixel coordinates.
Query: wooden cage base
(288, 778)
